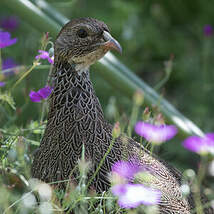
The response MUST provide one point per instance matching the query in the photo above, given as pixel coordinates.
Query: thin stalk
(101, 163)
(43, 111)
(44, 104)
(133, 119)
(25, 74)
(198, 182)
(162, 82)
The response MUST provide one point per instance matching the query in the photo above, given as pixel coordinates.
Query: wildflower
(208, 30)
(200, 145)
(125, 169)
(133, 195)
(5, 39)
(8, 63)
(2, 84)
(9, 23)
(41, 94)
(44, 55)
(155, 133)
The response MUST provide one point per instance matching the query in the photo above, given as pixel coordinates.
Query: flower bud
(159, 120)
(146, 114)
(138, 97)
(116, 130)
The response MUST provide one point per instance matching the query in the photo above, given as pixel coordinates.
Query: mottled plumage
(76, 118)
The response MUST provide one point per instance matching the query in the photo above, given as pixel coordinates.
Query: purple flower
(2, 84)
(9, 23)
(44, 55)
(200, 145)
(7, 64)
(5, 39)
(155, 133)
(41, 94)
(133, 195)
(126, 169)
(208, 30)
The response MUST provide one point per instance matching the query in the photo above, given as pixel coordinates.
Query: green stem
(43, 111)
(162, 82)
(24, 75)
(133, 119)
(101, 163)
(197, 185)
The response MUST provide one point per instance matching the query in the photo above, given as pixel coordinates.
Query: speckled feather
(76, 118)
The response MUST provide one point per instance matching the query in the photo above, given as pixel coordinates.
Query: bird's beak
(111, 43)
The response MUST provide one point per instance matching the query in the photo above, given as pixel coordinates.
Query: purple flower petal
(45, 92)
(200, 145)
(133, 195)
(126, 169)
(41, 94)
(5, 39)
(2, 84)
(35, 97)
(9, 23)
(210, 136)
(44, 55)
(51, 60)
(208, 30)
(155, 134)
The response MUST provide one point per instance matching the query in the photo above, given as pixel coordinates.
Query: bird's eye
(82, 33)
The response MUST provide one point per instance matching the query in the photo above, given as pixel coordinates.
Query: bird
(76, 120)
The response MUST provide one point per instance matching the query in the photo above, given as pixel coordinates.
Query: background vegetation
(151, 32)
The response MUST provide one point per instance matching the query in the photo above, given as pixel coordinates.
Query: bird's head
(83, 41)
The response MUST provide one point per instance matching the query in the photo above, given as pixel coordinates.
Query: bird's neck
(73, 94)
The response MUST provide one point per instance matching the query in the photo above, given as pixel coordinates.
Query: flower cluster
(41, 94)
(132, 195)
(5, 41)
